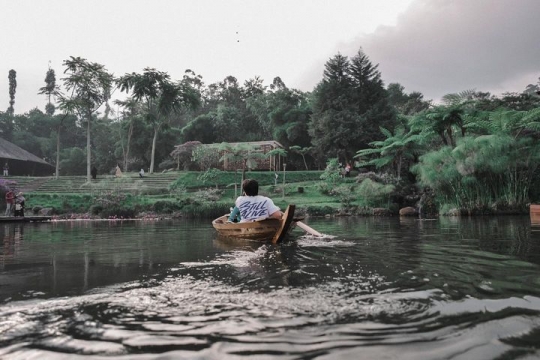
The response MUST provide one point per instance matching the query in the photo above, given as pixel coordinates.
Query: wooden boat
(273, 230)
(534, 211)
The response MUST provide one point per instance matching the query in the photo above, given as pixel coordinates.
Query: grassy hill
(151, 183)
(170, 192)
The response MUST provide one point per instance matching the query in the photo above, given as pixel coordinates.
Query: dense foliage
(474, 151)
(477, 157)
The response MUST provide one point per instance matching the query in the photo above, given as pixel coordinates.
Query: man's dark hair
(250, 187)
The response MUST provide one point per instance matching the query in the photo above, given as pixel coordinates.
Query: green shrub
(313, 210)
(207, 210)
(331, 174)
(35, 209)
(346, 196)
(95, 209)
(375, 194)
(324, 188)
(166, 207)
(167, 164)
(177, 189)
(153, 191)
(207, 195)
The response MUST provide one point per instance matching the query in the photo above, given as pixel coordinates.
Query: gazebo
(271, 163)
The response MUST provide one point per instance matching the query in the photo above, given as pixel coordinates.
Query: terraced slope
(77, 184)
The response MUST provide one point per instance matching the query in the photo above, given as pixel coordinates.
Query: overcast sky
(432, 46)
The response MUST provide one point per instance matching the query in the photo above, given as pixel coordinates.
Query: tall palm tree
(130, 112)
(161, 97)
(89, 87)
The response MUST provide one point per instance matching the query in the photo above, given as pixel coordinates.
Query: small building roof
(12, 151)
(255, 143)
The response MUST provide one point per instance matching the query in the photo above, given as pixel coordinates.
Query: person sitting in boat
(19, 204)
(253, 206)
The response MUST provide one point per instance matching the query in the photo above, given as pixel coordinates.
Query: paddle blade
(308, 229)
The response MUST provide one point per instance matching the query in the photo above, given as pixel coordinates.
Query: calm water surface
(378, 288)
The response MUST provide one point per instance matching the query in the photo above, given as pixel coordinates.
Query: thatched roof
(272, 143)
(12, 151)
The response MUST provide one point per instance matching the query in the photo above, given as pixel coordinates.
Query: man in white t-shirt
(253, 206)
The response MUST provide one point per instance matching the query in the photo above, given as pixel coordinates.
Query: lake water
(378, 288)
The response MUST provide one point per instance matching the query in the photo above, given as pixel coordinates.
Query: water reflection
(394, 288)
(12, 236)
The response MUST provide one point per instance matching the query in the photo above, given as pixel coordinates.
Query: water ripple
(346, 298)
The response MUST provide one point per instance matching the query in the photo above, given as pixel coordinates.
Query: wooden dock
(5, 219)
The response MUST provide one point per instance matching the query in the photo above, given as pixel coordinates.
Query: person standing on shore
(19, 204)
(6, 169)
(10, 200)
(118, 172)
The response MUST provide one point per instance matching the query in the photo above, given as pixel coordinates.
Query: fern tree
(246, 154)
(393, 150)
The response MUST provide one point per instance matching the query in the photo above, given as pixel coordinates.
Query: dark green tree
(50, 90)
(233, 121)
(201, 129)
(161, 97)
(130, 110)
(349, 105)
(12, 77)
(282, 114)
(32, 132)
(73, 160)
(406, 104)
(183, 154)
(105, 137)
(302, 151)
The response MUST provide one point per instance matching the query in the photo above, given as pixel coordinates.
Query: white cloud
(445, 46)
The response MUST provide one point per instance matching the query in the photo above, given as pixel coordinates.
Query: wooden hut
(21, 162)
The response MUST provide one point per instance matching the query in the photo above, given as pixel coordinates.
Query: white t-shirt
(254, 207)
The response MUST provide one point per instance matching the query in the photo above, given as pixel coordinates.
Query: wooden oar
(308, 229)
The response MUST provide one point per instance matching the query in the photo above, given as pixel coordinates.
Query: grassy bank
(184, 194)
(190, 194)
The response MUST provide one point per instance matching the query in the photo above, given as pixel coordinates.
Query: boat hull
(534, 211)
(273, 230)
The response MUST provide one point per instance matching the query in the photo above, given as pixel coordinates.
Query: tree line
(350, 116)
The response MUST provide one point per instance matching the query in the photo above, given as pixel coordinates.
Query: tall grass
(482, 174)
